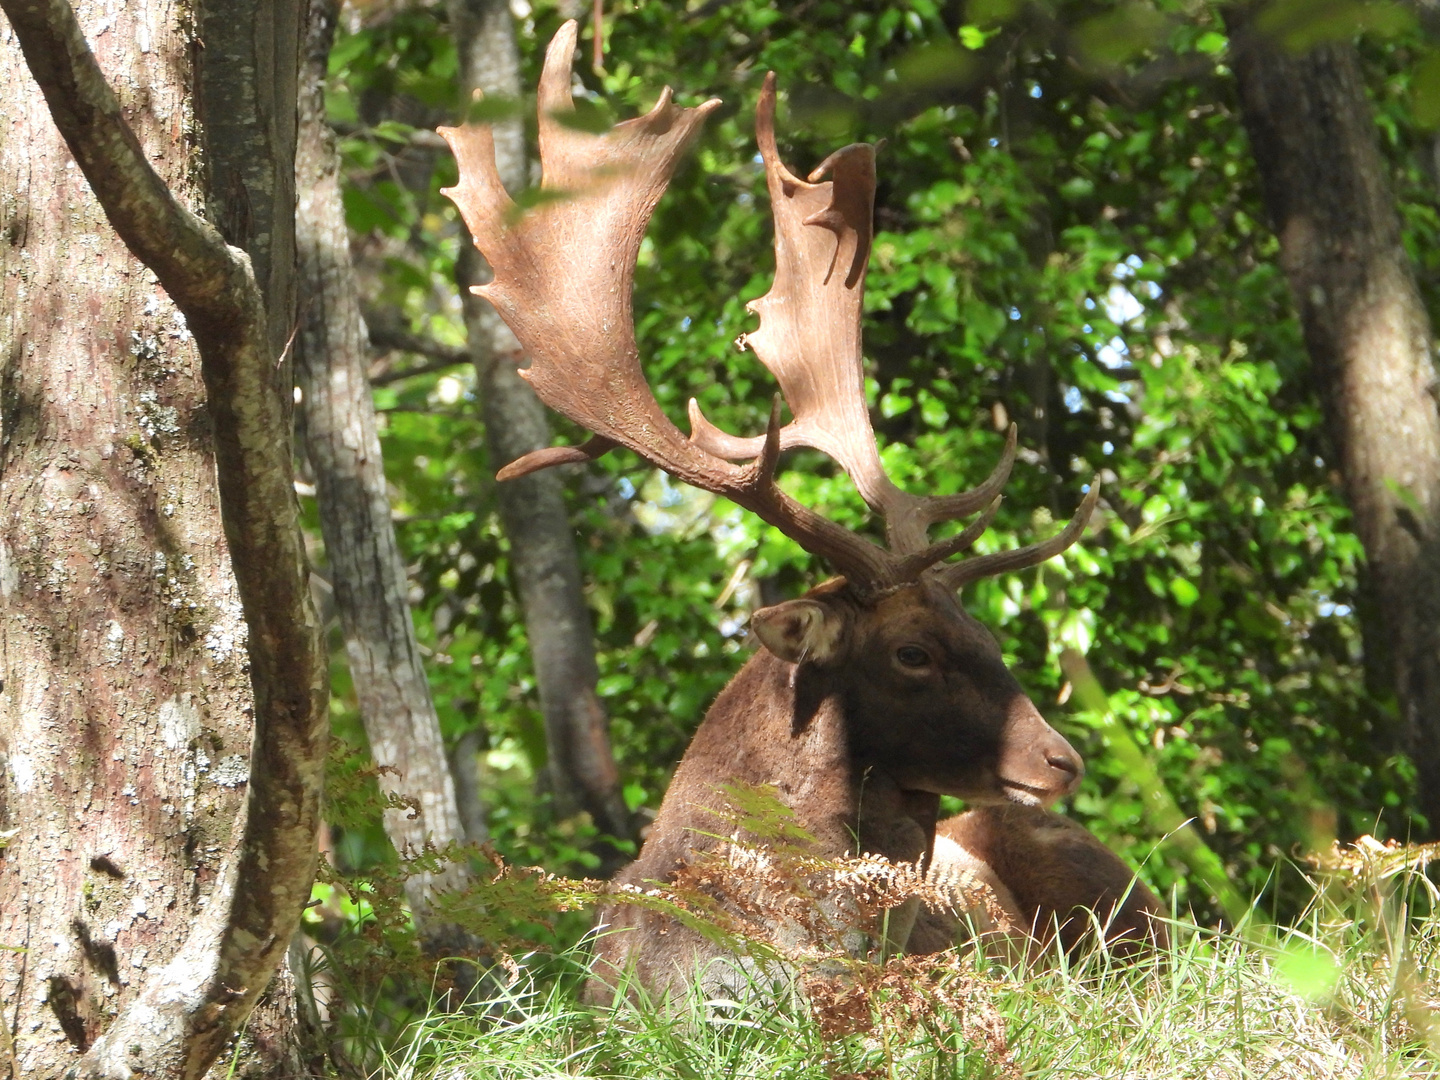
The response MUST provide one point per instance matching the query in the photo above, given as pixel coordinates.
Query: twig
(386, 376)
(390, 338)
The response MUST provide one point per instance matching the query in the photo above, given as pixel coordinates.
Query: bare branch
(382, 375)
(385, 335)
(389, 338)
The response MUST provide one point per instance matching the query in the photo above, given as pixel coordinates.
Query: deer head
(563, 272)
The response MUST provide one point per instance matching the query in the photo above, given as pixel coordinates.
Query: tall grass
(1351, 991)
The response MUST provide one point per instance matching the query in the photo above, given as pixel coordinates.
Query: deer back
(1049, 874)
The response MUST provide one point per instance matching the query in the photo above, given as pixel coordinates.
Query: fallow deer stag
(875, 693)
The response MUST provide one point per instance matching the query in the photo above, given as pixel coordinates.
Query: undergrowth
(1350, 990)
(1216, 1007)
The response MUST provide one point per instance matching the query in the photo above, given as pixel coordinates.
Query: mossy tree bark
(162, 713)
(1330, 199)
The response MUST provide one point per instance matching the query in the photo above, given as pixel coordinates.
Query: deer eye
(912, 656)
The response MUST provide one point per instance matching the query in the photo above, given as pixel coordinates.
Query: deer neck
(778, 725)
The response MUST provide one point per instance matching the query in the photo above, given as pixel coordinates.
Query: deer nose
(1068, 762)
(1035, 759)
(1061, 757)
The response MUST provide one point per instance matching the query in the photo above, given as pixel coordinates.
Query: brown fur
(1046, 871)
(858, 744)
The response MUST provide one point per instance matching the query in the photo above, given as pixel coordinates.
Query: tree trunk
(160, 856)
(245, 105)
(581, 770)
(108, 513)
(1330, 199)
(338, 419)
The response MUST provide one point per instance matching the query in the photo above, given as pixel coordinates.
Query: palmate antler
(563, 275)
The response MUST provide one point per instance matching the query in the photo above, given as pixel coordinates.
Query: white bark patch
(179, 722)
(57, 575)
(157, 422)
(114, 647)
(180, 733)
(228, 632)
(22, 768)
(9, 572)
(232, 771)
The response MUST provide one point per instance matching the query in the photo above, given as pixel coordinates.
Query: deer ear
(800, 630)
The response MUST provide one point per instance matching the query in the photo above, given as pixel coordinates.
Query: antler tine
(912, 566)
(958, 575)
(939, 508)
(563, 272)
(550, 456)
(912, 520)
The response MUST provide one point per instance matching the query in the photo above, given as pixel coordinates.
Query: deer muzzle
(1037, 765)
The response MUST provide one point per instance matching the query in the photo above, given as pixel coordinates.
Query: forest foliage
(1069, 236)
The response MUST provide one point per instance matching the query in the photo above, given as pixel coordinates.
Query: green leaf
(972, 37)
(614, 685)
(932, 410)
(1184, 591)
(1211, 42)
(893, 405)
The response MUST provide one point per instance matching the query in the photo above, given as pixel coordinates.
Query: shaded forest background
(1070, 236)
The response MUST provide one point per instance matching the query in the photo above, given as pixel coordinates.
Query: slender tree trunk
(581, 770)
(1328, 191)
(465, 769)
(338, 419)
(161, 856)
